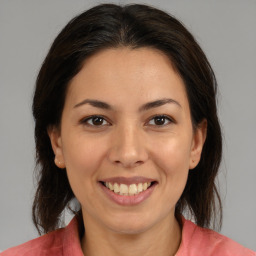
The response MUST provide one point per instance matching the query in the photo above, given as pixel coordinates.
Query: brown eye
(160, 120)
(95, 121)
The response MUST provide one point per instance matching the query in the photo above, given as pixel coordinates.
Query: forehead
(122, 74)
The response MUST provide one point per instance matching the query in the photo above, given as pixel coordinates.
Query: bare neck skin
(162, 239)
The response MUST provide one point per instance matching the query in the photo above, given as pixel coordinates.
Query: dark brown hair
(134, 26)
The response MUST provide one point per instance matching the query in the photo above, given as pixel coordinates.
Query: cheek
(82, 158)
(172, 159)
(173, 154)
(83, 154)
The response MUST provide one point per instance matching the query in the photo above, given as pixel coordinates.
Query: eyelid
(170, 119)
(85, 120)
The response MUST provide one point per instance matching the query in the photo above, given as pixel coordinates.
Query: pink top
(196, 241)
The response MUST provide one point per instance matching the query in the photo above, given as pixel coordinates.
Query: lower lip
(128, 200)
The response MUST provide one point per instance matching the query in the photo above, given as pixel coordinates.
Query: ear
(199, 138)
(55, 138)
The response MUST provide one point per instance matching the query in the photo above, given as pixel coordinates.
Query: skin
(128, 143)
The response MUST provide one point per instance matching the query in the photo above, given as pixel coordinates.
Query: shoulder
(200, 241)
(62, 242)
(49, 244)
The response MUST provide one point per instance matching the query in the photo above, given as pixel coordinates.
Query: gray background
(226, 30)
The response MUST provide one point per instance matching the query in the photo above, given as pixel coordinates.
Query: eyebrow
(144, 107)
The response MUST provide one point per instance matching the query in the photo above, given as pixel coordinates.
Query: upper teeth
(123, 189)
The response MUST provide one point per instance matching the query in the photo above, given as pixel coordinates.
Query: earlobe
(55, 138)
(197, 145)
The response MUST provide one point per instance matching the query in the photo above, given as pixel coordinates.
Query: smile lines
(127, 190)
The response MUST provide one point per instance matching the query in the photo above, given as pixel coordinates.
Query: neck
(161, 239)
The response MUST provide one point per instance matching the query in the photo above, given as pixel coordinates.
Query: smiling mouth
(128, 190)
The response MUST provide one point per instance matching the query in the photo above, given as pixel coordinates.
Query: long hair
(134, 26)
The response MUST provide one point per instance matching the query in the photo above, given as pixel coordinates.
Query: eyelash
(85, 121)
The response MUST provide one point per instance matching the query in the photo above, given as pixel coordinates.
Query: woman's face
(126, 124)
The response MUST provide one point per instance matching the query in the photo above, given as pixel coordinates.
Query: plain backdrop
(226, 31)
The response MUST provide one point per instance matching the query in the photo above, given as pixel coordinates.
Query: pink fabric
(62, 242)
(195, 242)
(198, 241)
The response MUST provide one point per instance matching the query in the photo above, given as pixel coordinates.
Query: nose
(128, 147)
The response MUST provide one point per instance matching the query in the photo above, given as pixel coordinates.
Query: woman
(126, 123)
